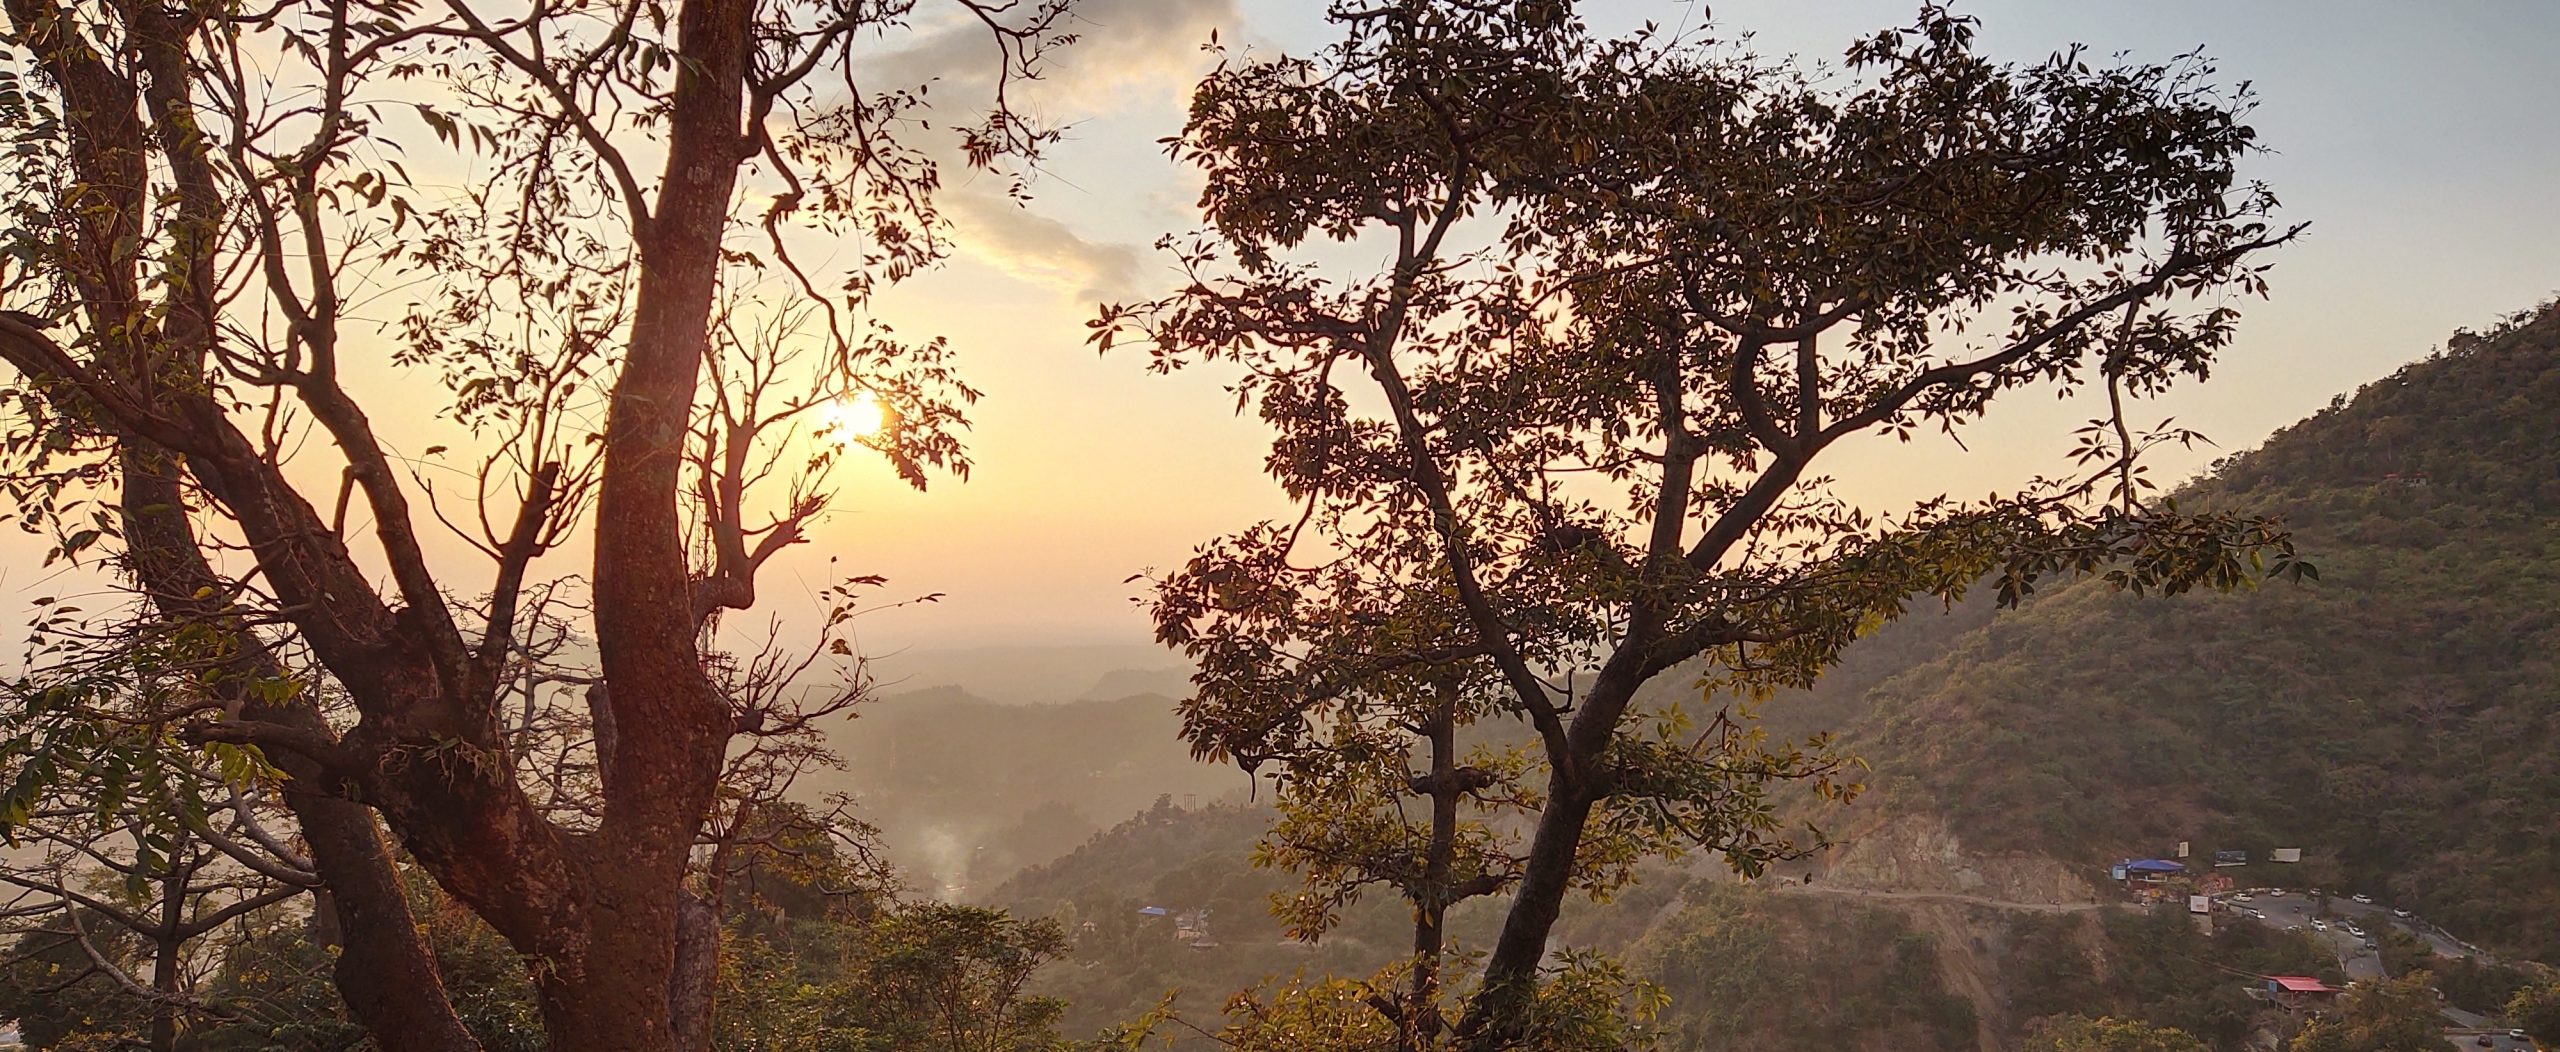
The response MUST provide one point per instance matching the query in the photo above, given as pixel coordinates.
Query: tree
(53, 991)
(159, 849)
(194, 242)
(825, 954)
(1566, 441)
(2380, 1015)
(952, 978)
(2536, 1010)
(2083, 1034)
(1590, 1005)
(158, 901)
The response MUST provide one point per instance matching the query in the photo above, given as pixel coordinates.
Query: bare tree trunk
(1573, 789)
(615, 993)
(166, 944)
(1511, 973)
(691, 997)
(671, 728)
(1422, 1024)
(384, 971)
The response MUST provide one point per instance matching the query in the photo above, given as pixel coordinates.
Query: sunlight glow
(855, 417)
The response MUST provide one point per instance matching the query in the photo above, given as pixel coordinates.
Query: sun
(856, 416)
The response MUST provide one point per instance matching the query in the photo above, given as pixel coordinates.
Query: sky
(2420, 141)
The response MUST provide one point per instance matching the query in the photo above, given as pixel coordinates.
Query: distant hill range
(967, 789)
(2395, 719)
(976, 762)
(1036, 674)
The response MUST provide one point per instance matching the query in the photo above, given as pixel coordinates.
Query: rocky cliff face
(1920, 853)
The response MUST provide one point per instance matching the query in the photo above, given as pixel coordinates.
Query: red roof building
(2299, 991)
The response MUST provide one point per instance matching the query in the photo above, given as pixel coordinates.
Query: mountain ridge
(2351, 717)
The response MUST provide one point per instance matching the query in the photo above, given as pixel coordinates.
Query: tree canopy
(1566, 439)
(592, 223)
(2082, 1034)
(2380, 1015)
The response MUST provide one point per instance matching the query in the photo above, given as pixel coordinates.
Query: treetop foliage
(1635, 288)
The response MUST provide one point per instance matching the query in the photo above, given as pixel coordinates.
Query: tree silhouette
(208, 207)
(1565, 440)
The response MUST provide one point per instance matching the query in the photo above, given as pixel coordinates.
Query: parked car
(2241, 897)
(2275, 893)
(2485, 1041)
(2366, 899)
(2518, 1035)
(2319, 925)
(2400, 913)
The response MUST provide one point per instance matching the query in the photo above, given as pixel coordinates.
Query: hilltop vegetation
(1748, 969)
(2395, 719)
(1181, 861)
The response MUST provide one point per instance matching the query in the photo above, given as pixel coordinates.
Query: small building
(2298, 992)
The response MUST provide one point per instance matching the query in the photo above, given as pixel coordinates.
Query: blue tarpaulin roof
(1153, 911)
(2155, 865)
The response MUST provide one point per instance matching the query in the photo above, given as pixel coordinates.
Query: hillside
(1181, 860)
(967, 790)
(1779, 969)
(2396, 718)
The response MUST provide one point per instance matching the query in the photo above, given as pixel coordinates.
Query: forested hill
(2396, 718)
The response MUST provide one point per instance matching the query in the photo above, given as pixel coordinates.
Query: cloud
(1009, 236)
(1121, 44)
(1126, 51)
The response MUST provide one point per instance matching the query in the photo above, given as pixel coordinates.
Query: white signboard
(2285, 854)
(2199, 903)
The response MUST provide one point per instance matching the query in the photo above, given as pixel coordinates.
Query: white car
(2366, 899)
(2319, 925)
(2400, 913)
(2275, 893)
(2241, 897)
